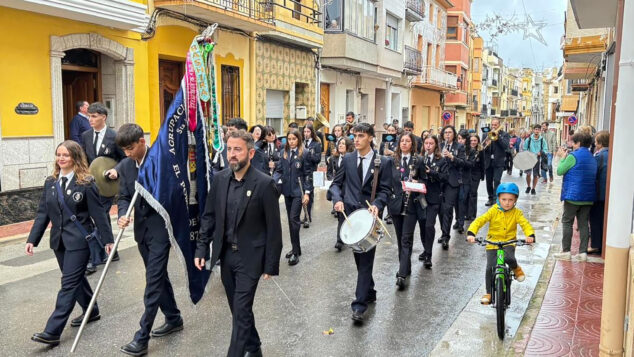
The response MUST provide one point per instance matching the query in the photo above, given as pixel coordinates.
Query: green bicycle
(501, 278)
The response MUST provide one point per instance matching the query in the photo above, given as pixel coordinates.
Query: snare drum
(363, 231)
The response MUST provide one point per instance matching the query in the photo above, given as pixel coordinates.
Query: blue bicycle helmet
(507, 187)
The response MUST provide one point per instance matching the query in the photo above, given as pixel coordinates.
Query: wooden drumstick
(346, 217)
(380, 221)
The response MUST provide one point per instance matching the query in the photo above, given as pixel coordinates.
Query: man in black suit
(494, 157)
(100, 141)
(153, 243)
(408, 127)
(350, 190)
(242, 222)
(80, 122)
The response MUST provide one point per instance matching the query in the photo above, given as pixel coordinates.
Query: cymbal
(98, 168)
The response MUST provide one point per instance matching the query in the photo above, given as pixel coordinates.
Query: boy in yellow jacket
(503, 219)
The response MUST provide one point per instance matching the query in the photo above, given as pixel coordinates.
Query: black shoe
(427, 263)
(421, 257)
(528, 189)
(388, 220)
(372, 298)
(594, 252)
(445, 244)
(167, 328)
(357, 316)
(338, 246)
(533, 192)
(306, 224)
(489, 203)
(134, 348)
(257, 353)
(293, 259)
(46, 338)
(400, 282)
(440, 240)
(461, 230)
(332, 212)
(76, 322)
(456, 225)
(116, 257)
(90, 269)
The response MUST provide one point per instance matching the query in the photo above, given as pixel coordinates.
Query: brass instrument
(493, 135)
(412, 165)
(320, 122)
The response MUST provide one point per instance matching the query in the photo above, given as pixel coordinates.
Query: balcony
(513, 112)
(295, 23)
(492, 111)
(436, 79)
(579, 85)
(415, 10)
(594, 14)
(413, 61)
(514, 92)
(246, 15)
(494, 82)
(504, 113)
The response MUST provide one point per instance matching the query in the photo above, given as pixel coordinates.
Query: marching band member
(465, 184)
(454, 154)
(404, 206)
(294, 166)
(337, 131)
(70, 202)
(271, 148)
(475, 155)
(312, 149)
(351, 188)
(389, 147)
(344, 146)
(433, 173)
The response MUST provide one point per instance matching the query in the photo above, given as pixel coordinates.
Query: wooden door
(324, 100)
(78, 86)
(170, 75)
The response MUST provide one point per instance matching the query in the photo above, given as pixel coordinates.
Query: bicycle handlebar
(519, 242)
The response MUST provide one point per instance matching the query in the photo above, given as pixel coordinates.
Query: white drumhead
(525, 160)
(361, 222)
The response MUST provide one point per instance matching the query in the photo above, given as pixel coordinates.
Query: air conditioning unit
(301, 112)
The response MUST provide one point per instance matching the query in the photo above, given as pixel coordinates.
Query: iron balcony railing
(299, 11)
(504, 113)
(417, 7)
(413, 60)
(492, 111)
(255, 9)
(513, 112)
(438, 77)
(514, 92)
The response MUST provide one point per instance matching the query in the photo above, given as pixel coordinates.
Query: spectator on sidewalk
(538, 146)
(602, 142)
(80, 122)
(551, 140)
(578, 192)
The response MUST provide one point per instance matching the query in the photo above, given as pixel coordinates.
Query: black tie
(360, 169)
(64, 182)
(428, 161)
(94, 143)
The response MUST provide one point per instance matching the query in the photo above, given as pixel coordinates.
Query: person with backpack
(538, 146)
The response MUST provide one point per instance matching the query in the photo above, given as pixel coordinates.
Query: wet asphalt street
(292, 312)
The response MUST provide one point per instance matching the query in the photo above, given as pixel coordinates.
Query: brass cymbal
(98, 168)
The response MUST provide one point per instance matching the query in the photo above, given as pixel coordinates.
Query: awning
(569, 103)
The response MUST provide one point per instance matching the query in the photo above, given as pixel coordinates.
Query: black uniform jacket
(84, 202)
(455, 166)
(108, 146)
(476, 158)
(347, 181)
(332, 166)
(434, 179)
(258, 225)
(498, 149)
(314, 154)
(287, 172)
(395, 205)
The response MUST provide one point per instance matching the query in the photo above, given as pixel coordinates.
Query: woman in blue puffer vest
(602, 142)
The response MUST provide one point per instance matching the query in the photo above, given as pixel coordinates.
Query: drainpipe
(618, 212)
(252, 120)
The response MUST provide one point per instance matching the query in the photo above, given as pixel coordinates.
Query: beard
(235, 167)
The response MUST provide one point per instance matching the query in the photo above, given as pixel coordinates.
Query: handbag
(89, 236)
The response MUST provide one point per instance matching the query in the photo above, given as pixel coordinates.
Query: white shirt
(69, 176)
(101, 135)
(83, 115)
(308, 142)
(367, 161)
(407, 157)
(138, 164)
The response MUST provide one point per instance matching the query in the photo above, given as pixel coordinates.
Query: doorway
(170, 74)
(81, 81)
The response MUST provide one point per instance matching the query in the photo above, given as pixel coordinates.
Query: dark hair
(545, 123)
(583, 139)
(300, 147)
(98, 108)
(455, 133)
(340, 127)
(252, 129)
(310, 119)
(313, 135)
(293, 125)
(364, 128)
(409, 124)
(238, 123)
(79, 104)
(436, 148)
(422, 134)
(464, 133)
(350, 114)
(269, 130)
(347, 141)
(537, 126)
(244, 135)
(128, 134)
(398, 152)
(603, 138)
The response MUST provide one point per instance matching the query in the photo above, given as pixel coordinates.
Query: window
(465, 27)
(476, 65)
(556, 89)
(391, 32)
(360, 17)
(452, 33)
(333, 15)
(438, 18)
(275, 109)
(230, 92)
(431, 13)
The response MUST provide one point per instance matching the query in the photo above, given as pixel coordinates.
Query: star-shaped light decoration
(532, 29)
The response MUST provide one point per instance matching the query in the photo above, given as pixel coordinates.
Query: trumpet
(493, 135)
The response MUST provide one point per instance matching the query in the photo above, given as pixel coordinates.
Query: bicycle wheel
(500, 307)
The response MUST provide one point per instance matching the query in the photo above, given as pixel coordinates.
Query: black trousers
(341, 219)
(97, 253)
(240, 289)
(365, 283)
(404, 227)
(158, 293)
(493, 176)
(432, 213)
(293, 210)
(596, 224)
(311, 198)
(75, 288)
(463, 202)
(450, 200)
(472, 210)
(509, 258)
